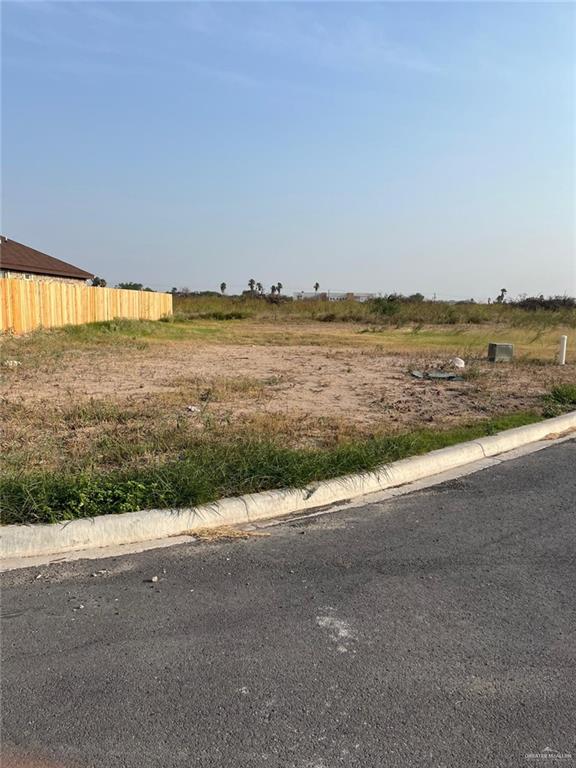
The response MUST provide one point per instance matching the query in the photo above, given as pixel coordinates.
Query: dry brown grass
(151, 408)
(223, 533)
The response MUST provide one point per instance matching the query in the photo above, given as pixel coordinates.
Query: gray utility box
(500, 353)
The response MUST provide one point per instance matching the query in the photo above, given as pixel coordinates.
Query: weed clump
(561, 399)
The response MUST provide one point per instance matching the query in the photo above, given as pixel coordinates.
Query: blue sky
(370, 146)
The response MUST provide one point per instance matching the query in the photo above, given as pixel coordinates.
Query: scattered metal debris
(441, 375)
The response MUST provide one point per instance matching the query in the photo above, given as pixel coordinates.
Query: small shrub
(562, 398)
(565, 394)
(384, 306)
(472, 372)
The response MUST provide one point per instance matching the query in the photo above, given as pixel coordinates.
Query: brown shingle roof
(20, 258)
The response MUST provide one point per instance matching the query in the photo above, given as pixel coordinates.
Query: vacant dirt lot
(126, 416)
(123, 415)
(364, 387)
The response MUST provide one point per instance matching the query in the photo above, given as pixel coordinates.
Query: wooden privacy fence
(29, 304)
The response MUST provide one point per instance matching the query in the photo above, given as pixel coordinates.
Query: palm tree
(251, 284)
(316, 286)
(273, 289)
(279, 287)
(503, 293)
(223, 288)
(260, 288)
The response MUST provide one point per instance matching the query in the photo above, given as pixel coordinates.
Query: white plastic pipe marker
(563, 345)
(133, 527)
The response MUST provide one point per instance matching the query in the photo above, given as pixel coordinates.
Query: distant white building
(333, 296)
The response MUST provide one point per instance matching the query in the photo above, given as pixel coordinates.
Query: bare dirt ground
(363, 386)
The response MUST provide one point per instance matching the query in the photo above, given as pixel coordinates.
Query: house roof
(21, 258)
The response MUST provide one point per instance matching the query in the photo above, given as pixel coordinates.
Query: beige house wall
(43, 278)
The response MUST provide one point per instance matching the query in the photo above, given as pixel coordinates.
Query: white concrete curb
(133, 527)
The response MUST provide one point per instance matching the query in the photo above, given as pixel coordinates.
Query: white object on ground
(457, 362)
(563, 345)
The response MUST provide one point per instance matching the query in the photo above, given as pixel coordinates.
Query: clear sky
(370, 146)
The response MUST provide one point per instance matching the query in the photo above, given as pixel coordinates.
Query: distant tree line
(553, 303)
(133, 287)
(388, 304)
(99, 282)
(257, 289)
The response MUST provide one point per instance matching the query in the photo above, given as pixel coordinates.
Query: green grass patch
(44, 346)
(231, 314)
(213, 470)
(562, 398)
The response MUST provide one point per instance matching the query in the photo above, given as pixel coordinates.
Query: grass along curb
(132, 527)
(210, 470)
(223, 463)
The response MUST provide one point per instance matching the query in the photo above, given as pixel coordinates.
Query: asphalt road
(435, 629)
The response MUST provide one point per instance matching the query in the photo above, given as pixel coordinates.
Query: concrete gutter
(20, 541)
